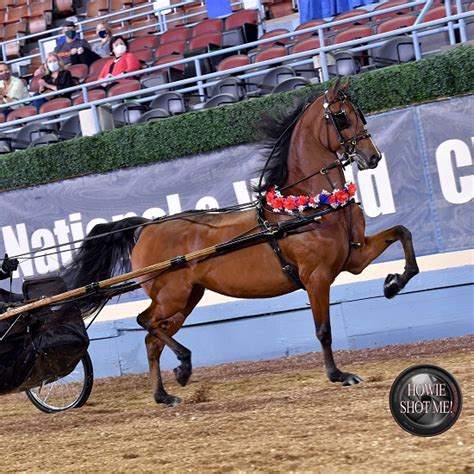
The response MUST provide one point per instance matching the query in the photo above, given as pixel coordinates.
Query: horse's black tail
(104, 253)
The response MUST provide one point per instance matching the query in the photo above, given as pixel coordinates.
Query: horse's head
(345, 131)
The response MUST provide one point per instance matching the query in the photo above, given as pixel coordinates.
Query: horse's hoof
(182, 375)
(350, 379)
(392, 285)
(168, 400)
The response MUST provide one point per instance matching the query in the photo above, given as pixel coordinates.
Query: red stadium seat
(353, 33)
(207, 26)
(195, 14)
(308, 24)
(396, 23)
(65, 6)
(127, 85)
(96, 67)
(178, 34)
(171, 48)
(437, 13)
(233, 61)
(344, 16)
(305, 45)
(147, 27)
(79, 71)
(145, 55)
(55, 104)
(204, 41)
(96, 8)
(270, 53)
(22, 112)
(240, 18)
(169, 59)
(271, 34)
(143, 42)
(394, 3)
(95, 94)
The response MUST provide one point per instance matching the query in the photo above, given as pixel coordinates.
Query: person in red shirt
(122, 62)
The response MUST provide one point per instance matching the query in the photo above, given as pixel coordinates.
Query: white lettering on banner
(376, 191)
(17, 243)
(119, 217)
(174, 204)
(76, 228)
(241, 190)
(45, 261)
(455, 190)
(61, 231)
(154, 213)
(207, 202)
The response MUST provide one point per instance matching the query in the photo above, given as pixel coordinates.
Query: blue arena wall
(435, 305)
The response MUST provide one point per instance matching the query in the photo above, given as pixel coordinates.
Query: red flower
(312, 201)
(302, 200)
(290, 203)
(351, 189)
(277, 203)
(332, 199)
(342, 197)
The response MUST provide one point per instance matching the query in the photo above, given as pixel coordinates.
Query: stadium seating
(191, 35)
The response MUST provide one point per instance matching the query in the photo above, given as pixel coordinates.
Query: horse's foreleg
(318, 291)
(374, 246)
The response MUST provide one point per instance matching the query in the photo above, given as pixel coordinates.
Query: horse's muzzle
(374, 160)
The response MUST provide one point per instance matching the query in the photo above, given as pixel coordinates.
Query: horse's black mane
(277, 129)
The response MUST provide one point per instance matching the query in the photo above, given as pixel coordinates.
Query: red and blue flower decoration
(292, 204)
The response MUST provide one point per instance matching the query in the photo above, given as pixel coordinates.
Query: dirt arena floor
(273, 416)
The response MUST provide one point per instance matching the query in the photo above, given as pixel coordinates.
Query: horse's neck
(306, 157)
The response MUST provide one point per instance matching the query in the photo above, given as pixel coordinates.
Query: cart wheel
(67, 392)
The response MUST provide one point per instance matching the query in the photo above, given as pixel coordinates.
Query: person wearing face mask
(102, 47)
(57, 79)
(121, 63)
(74, 50)
(11, 89)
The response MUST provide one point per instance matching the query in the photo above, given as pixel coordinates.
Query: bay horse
(310, 146)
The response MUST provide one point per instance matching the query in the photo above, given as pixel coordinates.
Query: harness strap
(288, 269)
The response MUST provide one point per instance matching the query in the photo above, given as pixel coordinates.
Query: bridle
(340, 122)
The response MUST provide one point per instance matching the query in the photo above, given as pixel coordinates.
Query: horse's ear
(337, 85)
(345, 86)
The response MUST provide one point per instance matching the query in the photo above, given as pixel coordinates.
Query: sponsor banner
(425, 182)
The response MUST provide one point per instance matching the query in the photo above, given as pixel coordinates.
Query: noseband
(340, 122)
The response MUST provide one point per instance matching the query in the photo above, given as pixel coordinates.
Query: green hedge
(438, 76)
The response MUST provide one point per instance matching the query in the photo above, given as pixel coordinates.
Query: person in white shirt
(12, 89)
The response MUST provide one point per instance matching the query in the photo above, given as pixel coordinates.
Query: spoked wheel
(67, 392)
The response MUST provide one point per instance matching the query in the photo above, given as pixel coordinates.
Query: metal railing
(201, 82)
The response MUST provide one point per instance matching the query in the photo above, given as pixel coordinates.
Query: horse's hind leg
(374, 246)
(162, 319)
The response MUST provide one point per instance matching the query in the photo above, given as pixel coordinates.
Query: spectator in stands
(11, 89)
(57, 79)
(122, 62)
(75, 50)
(102, 47)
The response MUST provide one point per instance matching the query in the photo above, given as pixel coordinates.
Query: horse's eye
(341, 119)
